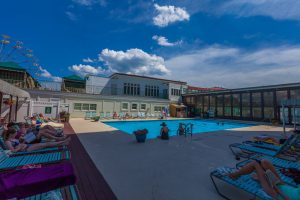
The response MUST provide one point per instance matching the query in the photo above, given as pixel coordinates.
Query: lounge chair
(284, 178)
(244, 183)
(278, 162)
(108, 115)
(266, 145)
(7, 162)
(65, 193)
(46, 150)
(247, 150)
(90, 114)
(102, 115)
(134, 115)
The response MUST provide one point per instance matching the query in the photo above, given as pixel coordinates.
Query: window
(77, 106)
(85, 106)
(134, 106)
(151, 91)
(143, 106)
(93, 106)
(175, 92)
(131, 89)
(124, 106)
(158, 108)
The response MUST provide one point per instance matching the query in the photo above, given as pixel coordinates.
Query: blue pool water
(153, 126)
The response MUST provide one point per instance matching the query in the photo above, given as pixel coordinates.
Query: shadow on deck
(90, 183)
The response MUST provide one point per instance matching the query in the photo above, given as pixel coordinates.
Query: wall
(97, 85)
(104, 103)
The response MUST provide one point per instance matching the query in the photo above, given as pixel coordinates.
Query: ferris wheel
(14, 51)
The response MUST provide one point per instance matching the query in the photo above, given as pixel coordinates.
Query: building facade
(255, 103)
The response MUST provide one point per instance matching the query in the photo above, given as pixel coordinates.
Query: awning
(10, 89)
(178, 106)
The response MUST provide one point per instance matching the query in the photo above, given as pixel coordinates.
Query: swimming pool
(153, 126)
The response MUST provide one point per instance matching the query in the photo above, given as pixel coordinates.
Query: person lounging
(16, 145)
(269, 179)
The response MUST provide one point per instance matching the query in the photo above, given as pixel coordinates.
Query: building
(137, 86)
(254, 103)
(73, 83)
(13, 73)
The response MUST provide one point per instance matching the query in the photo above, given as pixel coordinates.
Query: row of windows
(134, 106)
(85, 107)
(131, 89)
(151, 91)
(175, 92)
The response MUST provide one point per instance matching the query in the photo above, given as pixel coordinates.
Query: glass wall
(220, 111)
(295, 94)
(256, 105)
(246, 105)
(213, 104)
(269, 112)
(206, 103)
(236, 105)
(199, 105)
(227, 106)
(282, 95)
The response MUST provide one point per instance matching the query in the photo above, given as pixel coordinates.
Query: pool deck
(174, 169)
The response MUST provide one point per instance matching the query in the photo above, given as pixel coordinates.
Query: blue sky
(233, 43)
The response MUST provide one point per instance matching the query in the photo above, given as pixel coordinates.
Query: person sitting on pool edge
(164, 131)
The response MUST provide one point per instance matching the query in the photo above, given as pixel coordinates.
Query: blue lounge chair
(284, 178)
(66, 193)
(243, 183)
(278, 162)
(46, 150)
(7, 162)
(248, 150)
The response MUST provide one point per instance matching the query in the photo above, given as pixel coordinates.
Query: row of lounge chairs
(120, 115)
(15, 162)
(258, 151)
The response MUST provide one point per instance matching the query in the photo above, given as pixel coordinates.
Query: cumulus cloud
(163, 41)
(134, 61)
(169, 14)
(46, 74)
(234, 67)
(83, 70)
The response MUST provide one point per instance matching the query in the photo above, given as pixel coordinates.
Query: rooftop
(74, 77)
(11, 66)
(148, 77)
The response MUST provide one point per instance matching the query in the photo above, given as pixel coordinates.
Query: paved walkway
(160, 170)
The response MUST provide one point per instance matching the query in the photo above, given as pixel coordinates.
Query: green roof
(74, 78)
(11, 66)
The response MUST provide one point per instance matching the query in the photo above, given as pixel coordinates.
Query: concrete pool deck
(174, 169)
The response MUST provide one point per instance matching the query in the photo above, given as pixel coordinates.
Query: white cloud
(134, 61)
(71, 15)
(45, 74)
(235, 68)
(169, 14)
(277, 9)
(163, 41)
(83, 70)
(87, 60)
(90, 2)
